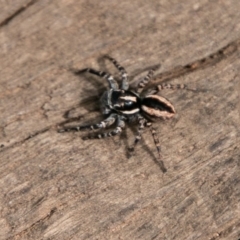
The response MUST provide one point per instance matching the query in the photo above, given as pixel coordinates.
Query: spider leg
(156, 141)
(115, 131)
(112, 83)
(146, 79)
(142, 123)
(125, 83)
(162, 86)
(105, 123)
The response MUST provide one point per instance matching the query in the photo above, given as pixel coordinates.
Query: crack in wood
(16, 13)
(200, 64)
(25, 139)
(32, 226)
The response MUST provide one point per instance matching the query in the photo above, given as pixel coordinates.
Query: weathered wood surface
(57, 186)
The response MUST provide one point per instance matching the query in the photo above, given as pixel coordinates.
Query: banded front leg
(112, 83)
(125, 83)
(146, 79)
(115, 131)
(104, 124)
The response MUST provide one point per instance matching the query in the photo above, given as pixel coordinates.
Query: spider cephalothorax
(121, 105)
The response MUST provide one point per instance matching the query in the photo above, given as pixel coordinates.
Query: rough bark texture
(57, 186)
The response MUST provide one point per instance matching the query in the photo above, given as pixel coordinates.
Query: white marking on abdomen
(131, 111)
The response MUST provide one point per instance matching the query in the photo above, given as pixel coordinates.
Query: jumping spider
(122, 105)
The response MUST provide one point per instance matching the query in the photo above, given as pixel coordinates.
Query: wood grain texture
(57, 186)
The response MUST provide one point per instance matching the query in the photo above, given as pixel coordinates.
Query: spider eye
(128, 103)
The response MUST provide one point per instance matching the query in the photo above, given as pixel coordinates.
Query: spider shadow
(94, 96)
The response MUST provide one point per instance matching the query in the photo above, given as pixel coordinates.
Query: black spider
(121, 105)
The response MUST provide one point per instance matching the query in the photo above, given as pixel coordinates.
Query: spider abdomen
(155, 106)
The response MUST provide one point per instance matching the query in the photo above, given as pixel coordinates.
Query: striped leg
(112, 83)
(115, 131)
(156, 141)
(142, 123)
(162, 86)
(105, 123)
(146, 79)
(125, 83)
